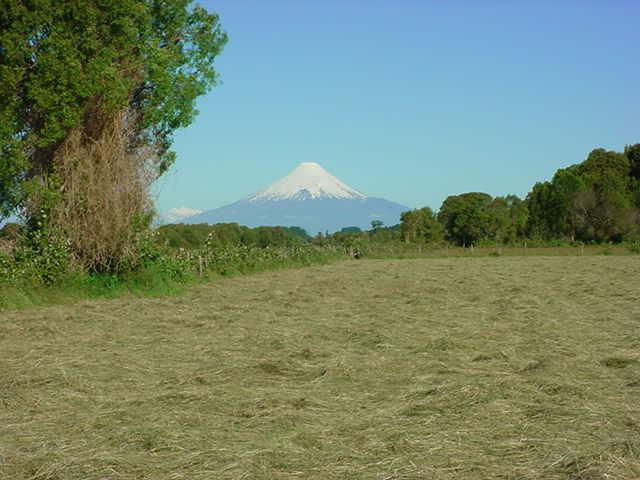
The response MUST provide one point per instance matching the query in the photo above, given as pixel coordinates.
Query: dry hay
(105, 185)
(467, 368)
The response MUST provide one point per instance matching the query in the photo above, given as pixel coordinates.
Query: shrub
(43, 256)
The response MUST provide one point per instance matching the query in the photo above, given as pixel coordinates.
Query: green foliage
(376, 225)
(227, 234)
(353, 242)
(632, 152)
(240, 259)
(508, 219)
(475, 218)
(40, 257)
(382, 234)
(551, 205)
(44, 257)
(296, 232)
(465, 217)
(420, 226)
(68, 65)
(350, 239)
(607, 210)
(594, 201)
(605, 170)
(42, 270)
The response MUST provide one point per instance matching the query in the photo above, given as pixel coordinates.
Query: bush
(41, 257)
(228, 234)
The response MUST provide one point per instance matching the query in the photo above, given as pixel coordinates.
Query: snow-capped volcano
(308, 197)
(307, 181)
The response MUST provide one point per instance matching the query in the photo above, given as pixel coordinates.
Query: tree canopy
(420, 226)
(465, 217)
(69, 65)
(597, 200)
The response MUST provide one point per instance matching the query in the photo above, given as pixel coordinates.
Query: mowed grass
(465, 368)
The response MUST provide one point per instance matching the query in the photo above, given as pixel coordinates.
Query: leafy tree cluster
(474, 217)
(229, 234)
(597, 200)
(381, 233)
(420, 226)
(354, 239)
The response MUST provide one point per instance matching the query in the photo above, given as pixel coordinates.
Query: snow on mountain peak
(308, 181)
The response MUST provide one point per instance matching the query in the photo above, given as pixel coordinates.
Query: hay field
(459, 368)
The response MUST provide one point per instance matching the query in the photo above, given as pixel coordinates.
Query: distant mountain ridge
(308, 197)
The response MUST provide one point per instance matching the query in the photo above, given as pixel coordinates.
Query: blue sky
(410, 100)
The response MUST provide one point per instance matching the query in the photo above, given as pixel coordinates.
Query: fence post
(200, 265)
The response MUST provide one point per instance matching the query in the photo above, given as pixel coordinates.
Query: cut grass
(412, 250)
(510, 368)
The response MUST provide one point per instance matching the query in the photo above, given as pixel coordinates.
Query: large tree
(65, 65)
(552, 205)
(465, 217)
(632, 152)
(77, 75)
(508, 219)
(609, 212)
(590, 201)
(420, 226)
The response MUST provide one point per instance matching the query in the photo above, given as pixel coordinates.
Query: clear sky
(410, 100)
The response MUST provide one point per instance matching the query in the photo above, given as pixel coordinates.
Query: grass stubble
(460, 368)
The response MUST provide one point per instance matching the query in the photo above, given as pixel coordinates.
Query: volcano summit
(309, 197)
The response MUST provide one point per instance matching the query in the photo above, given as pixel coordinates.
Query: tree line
(595, 201)
(183, 236)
